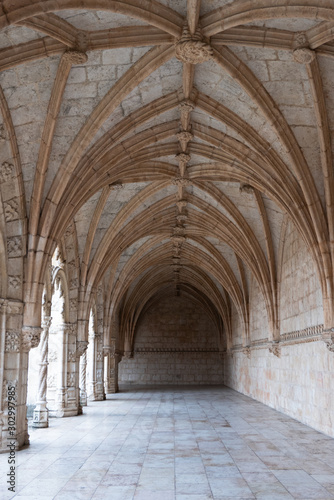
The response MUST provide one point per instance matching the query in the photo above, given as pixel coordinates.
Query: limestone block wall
(177, 343)
(299, 381)
(300, 299)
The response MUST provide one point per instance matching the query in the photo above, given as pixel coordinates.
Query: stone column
(83, 373)
(99, 391)
(92, 368)
(62, 376)
(41, 414)
(30, 338)
(113, 358)
(81, 346)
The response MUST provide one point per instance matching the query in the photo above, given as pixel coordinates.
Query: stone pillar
(92, 368)
(72, 373)
(30, 337)
(41, 414)
(83, 373)
(61, 400)
(113, 359)
(81, 346)
(99, 390)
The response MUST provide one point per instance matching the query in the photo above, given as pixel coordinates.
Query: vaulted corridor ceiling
(166, 144)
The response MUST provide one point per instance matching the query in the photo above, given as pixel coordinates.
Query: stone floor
(175, 443)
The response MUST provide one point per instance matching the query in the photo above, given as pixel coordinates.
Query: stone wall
(300, 380)
(300, 383)
(176, 343)
(300, 297)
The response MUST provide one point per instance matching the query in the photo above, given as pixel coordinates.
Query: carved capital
(303, 55)
(275, 349)
(192, 48)
(75, 57)
(81, 347)
(328, 338)
(30, 337)
(128, 354)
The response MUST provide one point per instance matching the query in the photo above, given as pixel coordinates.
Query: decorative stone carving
(247, 352)
(178, 240)
(52, 356)
(178, 230)
(81, 347)
(71, 356)
(75, 57)
(116, 186)
(3, 306)
(246, 188)
(70, 380)
(74, 283)
(73, 304)
(14, 246)
(181, 181)
(184, 137)
(330, 345)
(183, 159)
(275, 349)
(51, 381)
(15, 307)
(71, 266)
(128, 354)
(303, 55)
(99, 356)
(11, 209)
(181, 218)
(30, 337)
(186, 107)
(192, 48)
(12, 341)
(300, 39)
(69, 231)
(181, 204)
(6, 171)
(3, 135)
(14, 282)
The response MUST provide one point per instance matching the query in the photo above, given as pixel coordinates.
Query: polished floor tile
(176, 443)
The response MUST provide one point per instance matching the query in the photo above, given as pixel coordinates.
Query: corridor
(183, 443)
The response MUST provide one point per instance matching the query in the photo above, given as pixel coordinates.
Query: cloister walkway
(184, 443)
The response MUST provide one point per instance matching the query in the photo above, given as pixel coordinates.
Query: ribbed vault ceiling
(173, 138)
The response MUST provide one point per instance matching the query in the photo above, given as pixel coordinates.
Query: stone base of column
(83, 398)
(41, 416)
(92, 396)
